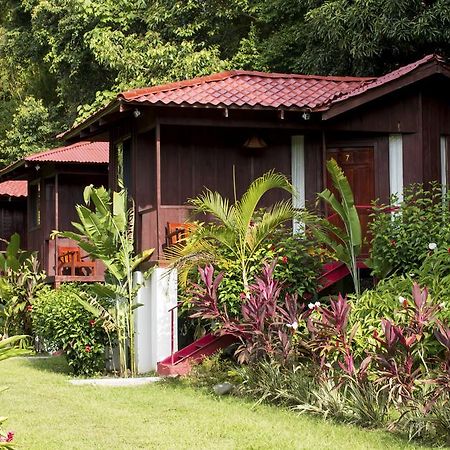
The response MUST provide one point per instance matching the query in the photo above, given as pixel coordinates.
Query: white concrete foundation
(153, 321)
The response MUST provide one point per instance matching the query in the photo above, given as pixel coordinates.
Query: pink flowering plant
(6, 437)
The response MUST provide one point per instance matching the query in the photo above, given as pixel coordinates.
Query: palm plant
(346, 243)
(107, 233)
(236, 227)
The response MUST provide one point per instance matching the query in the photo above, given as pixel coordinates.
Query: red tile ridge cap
(385, 78)
(135, 93)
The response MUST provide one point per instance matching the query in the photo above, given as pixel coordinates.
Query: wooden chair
(177, 232)
(71, 263)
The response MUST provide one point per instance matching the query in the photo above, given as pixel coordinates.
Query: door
(358, 166)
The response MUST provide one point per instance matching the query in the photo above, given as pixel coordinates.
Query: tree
(31, 131)
(371, 37)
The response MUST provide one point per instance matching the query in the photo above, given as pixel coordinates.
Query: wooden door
(358, 166)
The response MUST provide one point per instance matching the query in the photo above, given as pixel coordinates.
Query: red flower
(448, 249)
(10, 436)
(30, 308)
(284, 259)
(393, 242)
(92, 322)
(87, 349)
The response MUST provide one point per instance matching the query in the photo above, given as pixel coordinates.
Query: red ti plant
(331, 341)
(397, 372)
(442, 380)
(399, 367)
(269, 322)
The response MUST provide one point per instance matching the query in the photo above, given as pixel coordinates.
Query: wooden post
(159, 239)
(56, 221)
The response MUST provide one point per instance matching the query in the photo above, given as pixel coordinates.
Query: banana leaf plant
(347, 242)
(106, 232)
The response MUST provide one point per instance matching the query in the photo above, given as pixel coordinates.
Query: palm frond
(213, 203)
(247, 205)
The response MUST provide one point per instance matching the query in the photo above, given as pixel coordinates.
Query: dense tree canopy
(61, 59)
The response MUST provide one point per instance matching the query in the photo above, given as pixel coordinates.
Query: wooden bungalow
(170, 142)
(13, 211)
(55, 180)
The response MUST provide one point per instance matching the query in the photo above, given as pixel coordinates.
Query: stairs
(180, 362)
(334, 272)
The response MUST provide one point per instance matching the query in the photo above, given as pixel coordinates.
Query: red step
(180, 362)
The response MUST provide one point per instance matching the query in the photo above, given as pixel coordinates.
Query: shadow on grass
(53, 364)
(391, 439)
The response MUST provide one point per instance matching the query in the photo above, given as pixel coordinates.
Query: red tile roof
(15, 188)
(248, 89)
(391, 76)
(256, 90)
(80, 152)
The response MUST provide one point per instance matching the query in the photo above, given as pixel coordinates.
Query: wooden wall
(195, 158)
(13, 219)
(70, 193)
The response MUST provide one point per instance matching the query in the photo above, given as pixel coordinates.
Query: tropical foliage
(62, 323)
(236, 231)
(406, 231)
(346, 243)
(240, 237)
(106, 232)
(20, 280)
(310, 358)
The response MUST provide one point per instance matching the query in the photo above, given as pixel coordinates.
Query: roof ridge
(399, 72)
(220, 76)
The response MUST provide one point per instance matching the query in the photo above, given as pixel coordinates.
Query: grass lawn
(46, 412)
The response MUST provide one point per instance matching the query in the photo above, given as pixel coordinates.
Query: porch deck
(56, 280)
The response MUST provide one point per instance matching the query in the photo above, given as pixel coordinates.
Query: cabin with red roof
(13, 211)
(170, 142)
(55, 180)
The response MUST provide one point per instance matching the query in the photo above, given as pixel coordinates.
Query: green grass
(46, 412)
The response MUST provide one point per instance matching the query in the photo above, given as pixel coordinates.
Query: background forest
(62, 59)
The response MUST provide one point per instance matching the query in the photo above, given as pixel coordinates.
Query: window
(35, 204)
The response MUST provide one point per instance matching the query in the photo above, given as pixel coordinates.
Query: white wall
(153, 320)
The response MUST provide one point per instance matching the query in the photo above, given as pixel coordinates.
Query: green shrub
(63, 323)
(401, 239)
(299, 260)
(386, 298)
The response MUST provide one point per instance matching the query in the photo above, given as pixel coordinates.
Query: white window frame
(298, 177)
(396, 165)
